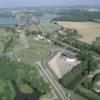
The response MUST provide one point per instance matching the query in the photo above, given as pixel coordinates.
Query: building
(69, 56)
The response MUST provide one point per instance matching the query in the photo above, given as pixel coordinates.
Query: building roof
(68, 54)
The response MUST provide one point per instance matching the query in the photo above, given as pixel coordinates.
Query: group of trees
(87, 65)
(96, 45)
(77, 15)
(22, 72)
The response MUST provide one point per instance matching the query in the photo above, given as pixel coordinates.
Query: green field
(24, 87)
(49, 27)
(31, 53)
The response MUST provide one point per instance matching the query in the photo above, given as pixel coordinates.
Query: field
(33, 28)
(88, 30)
(49, 27)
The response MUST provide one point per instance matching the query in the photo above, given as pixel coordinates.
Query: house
(96, 87)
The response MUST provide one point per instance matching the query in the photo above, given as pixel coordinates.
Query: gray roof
(68, 54)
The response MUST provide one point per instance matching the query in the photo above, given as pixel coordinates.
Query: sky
(32, 3)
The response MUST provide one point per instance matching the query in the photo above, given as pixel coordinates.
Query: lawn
(31, 53)
(88, 30)
(24, 87)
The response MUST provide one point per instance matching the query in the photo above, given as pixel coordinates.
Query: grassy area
(87, 93)
(33, 28)
(31, 53)
(77, 97)
(88, 30)
(20, 71)
(6, 90)
(47, 96)
(49, 27)
(24, 87)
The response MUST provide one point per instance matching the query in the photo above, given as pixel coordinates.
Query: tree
(96, 45)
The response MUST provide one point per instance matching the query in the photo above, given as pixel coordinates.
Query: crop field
(88, 30)
(49, 27)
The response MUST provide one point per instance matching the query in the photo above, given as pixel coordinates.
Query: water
(10, 20)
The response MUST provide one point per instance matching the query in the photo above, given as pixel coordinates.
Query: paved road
(55, 86)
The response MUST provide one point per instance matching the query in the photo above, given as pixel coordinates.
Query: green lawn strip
(87, 93)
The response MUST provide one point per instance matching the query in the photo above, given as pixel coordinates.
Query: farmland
(88, 30)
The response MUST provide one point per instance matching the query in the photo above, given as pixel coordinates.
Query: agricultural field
(88, 30)
(49, 27)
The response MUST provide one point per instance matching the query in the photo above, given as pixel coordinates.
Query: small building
(96, 87)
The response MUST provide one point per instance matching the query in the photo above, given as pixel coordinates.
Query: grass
(24, 87)
(88, 30)
(47, 96)
(33, 28)
(49, 27)
(87, 93)
(31, 53)
(77, 97)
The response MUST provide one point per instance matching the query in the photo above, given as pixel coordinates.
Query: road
(58, 91)
(56, 88)
(55, 85)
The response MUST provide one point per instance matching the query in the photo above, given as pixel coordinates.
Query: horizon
(48, 3)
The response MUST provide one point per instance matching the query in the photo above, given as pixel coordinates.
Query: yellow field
(88, 30)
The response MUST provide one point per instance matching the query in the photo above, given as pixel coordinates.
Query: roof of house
(68, 54)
